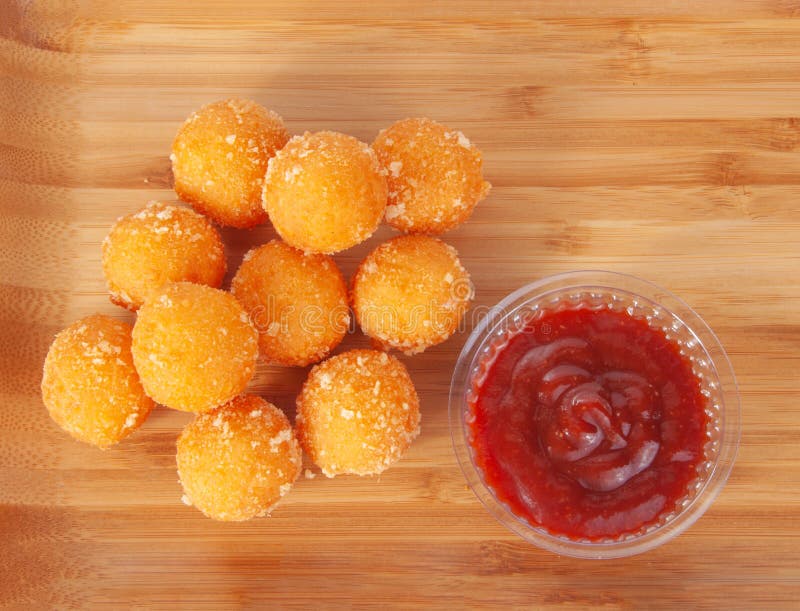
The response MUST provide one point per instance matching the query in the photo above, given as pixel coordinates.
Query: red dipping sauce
(589, 424)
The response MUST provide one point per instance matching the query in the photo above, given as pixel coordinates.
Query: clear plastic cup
(662, 309)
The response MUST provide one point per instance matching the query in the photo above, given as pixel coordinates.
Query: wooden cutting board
(656, 138)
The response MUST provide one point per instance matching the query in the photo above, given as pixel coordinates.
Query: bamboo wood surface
(656, 138)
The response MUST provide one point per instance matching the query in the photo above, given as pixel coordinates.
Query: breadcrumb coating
(434, 176)
(357, 413)
(160, 244)
(193, 346)
(411, 293)
(325, 192)
(297, 301)
(238, 460)
(219, 158)
(90, 386)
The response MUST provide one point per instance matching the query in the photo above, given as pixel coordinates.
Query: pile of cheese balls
(194, 346)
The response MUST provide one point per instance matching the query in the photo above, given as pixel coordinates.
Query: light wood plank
(655, 138)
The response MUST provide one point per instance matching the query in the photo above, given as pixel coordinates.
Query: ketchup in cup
(589, 423)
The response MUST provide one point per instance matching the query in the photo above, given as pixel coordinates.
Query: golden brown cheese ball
(297, 301)
(357, 413)
(90, 386)
(324, 192)
(411, 293)
(219, 158)
(194, 346)
(157, 245)
(434, 175)
(237, 461)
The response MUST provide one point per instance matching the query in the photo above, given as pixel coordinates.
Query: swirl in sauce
(589, 424)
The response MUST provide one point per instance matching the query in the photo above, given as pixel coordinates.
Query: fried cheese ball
(193, 346)
(297, 301)
(357, 413)
(238, 460)
(434, 175)
(90, 386)
(411, 293)
(157, 245)
(324, 192)
(219, 158)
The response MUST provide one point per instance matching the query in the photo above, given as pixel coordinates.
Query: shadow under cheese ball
(411, 293)
(297, 301)
(157, 245)
(357, 413)
(90, 386)
(237, 461)
(325, 192)
(219, 158)
(434, 175)
(194, 346)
